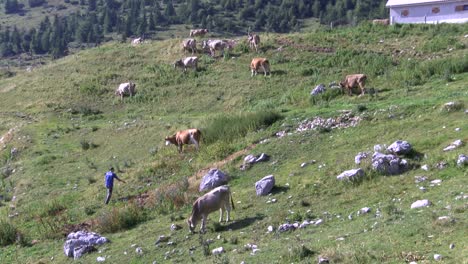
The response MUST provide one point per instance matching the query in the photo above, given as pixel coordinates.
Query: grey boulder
(388, 164)
(213, 179)
(265, 185)
(400, 147)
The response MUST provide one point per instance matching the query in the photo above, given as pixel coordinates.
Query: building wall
(427, 13)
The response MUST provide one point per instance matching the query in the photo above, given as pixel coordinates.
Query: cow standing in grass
(189, 62)
(214, 45)
(254, 41)
(198, 32)
(190, 44)
(216, 199)
(189, 136)
(260, 63)
(352, 81)
(125, 89)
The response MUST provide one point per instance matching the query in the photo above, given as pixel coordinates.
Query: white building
(428, 11)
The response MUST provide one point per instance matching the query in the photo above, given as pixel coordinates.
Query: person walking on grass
(110, 175)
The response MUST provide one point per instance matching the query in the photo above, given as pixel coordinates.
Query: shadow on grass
(278, 72)
(279, 189)
(236, 225)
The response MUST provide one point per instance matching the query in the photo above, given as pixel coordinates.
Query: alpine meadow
(62, 127)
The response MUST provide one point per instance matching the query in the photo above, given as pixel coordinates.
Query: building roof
(391, 3)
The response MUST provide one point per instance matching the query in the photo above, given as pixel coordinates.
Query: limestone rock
(213, 179)
(265, 185)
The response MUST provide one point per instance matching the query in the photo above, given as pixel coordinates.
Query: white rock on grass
(425, 167)
(400, 147)
(437, 257)
(139, 251)
(218, 251)
(353, 174)
(265, 185)
(420, 203)
(457, 143)
(462, 160)
(213, 179)
(100, 259)
(270, 229)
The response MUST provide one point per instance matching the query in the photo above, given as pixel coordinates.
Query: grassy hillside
(62, 127)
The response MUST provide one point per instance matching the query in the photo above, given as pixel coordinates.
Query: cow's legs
(264, 70)
(362, 89)
(179, 148)
(203, 224)
(228, 211)
(221, 212)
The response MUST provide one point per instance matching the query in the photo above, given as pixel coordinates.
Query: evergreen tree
(11, 6)
(170, 11)
(152, 22)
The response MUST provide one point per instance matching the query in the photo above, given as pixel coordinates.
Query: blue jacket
(110, 179)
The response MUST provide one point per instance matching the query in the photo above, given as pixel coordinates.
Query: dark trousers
(109, 194)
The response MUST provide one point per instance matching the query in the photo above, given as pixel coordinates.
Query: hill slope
(62, 127)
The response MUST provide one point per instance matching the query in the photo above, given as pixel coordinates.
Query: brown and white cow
(198, 32)
(254, 41)
(258, 63)
(218, 198)
(190, 44)
(188, 62)
(188, 136)
(125, 89)
(353, 81)
(214, 45)
(384, 22)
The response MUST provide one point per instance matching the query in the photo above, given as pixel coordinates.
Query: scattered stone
(425, 167)
(400, 147)
(437, 257)
(452, 106)
(213, 179)
(286, 227)
(218, 251)
(318, 89)
(265, 185)
(139, 251)
(457, 129)
(379, 148)
(303, 164)
(441, 165)
(422, 188)
(175, 227)
(270, 229)
(304, 224)
(452, 246)
(360, 156)
(100, 259)
(249, 160)
(351, 174)
(162, 238)
(318, 222)
(462, 160)
(364, 210)
(457, 143)
(346, 119)
(388, 164)
(323, 260)
(420, 203)
(438, 182)
(81, 242)
(419, 179)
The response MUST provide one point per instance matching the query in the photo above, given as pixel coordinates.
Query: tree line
(100, 18)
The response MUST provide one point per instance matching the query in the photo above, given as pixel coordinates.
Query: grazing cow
(189, 136)
(258, 63)
(125, 89)
(185, 63)
(352, 81)
(254, 41)
(198, 32)
(384, 22)
(137, 41)
(214, 45)
(218, 198)
(189, 44)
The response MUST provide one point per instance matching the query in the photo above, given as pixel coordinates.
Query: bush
(7, 233)
(120, 219)
(229, 128)
(167, 198)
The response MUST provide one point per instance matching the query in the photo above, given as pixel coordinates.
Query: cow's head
(191, 225)
(178, 63)
(170, 140)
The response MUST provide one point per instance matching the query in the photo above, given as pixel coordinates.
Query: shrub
(228, 128)
(7, 233)
(167, 198)
(120, 219)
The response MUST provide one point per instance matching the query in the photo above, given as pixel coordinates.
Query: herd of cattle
(220, 198)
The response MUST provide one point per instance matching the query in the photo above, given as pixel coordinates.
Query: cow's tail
(232, 201)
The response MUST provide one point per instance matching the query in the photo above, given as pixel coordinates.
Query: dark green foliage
(8, 233)
(229, 128)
